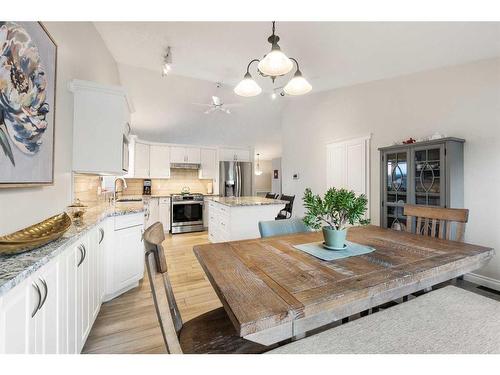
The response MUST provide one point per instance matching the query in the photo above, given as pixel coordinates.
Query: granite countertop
(247, 201)
(16, 268)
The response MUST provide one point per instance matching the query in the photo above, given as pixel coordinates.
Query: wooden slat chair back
(444, 223)
(271, 195)
(161, 288)
(211, 332)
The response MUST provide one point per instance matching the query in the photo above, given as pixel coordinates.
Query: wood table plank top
(266, 283)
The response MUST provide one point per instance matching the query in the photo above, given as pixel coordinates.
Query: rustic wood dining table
(273, 292)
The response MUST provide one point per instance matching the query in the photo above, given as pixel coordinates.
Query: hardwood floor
(128, 324)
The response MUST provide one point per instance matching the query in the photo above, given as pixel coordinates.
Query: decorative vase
(334, 238)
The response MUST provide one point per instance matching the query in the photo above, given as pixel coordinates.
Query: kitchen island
(237, 218)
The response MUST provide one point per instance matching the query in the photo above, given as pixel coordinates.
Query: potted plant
(333, 213)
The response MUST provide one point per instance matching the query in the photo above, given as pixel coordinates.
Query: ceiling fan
(218, 105)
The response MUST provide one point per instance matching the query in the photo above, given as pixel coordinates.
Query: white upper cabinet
(234, 154)
(177, 154)
(185, 155)
(208, 163)
(100, 120)
(193, 155)
(141, 160)
(159, 161)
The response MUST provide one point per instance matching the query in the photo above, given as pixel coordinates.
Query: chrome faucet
(124, 186)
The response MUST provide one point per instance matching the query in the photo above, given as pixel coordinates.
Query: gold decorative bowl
(35, 236)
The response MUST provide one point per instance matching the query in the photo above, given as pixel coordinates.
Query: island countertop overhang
(247, 201)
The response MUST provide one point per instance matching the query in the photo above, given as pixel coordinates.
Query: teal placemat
(316, 249)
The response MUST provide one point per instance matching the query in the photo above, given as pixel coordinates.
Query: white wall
(461, 101)
(276, 182)
(263, 182)
(167, 109)
(81, 54)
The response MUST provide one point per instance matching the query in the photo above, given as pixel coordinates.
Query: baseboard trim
(483, 280)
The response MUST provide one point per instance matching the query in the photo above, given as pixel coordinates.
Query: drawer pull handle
(102, 235)
(44, 283)
(83, 253)
(39, 294)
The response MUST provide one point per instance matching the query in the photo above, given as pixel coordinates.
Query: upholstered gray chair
(282, 227)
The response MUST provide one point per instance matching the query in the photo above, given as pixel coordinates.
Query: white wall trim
(347, 139)
(483, 280)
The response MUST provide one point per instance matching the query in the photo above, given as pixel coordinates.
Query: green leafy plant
(338, 208)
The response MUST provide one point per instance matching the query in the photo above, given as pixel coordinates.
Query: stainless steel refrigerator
(235, 179)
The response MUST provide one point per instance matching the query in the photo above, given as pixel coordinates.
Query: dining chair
(271, 195)
(211, 332)
(440, 222)
(286, 213)
(444, 223)
(282, 227)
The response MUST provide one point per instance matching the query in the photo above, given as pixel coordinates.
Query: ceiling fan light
(247, 87)
(298, 85)
(275, 63)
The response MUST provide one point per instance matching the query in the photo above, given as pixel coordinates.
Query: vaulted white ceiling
(331, 55)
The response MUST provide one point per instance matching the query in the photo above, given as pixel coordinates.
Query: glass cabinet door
(396, 188)
(428, 182)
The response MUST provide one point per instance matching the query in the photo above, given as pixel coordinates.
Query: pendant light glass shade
(258, 171)
(298, 85)
(247, 87)
(275, 63)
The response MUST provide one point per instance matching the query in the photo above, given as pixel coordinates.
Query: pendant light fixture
(258, 171)
(298, 85)
(274, 64)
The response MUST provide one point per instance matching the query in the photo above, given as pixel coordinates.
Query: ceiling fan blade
(232, 105)
(216, 100)
(210, 110)
(203, 104)
(226, 110)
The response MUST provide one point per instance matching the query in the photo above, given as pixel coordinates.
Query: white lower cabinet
(164, 213)
(125, 259)
(83, 292)
(15, 319)
(53, 310)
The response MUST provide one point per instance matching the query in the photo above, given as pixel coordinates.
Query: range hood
(184, 166)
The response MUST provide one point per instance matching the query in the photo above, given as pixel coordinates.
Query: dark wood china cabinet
(429, 173)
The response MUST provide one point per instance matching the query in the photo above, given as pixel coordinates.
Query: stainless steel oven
(187, 213)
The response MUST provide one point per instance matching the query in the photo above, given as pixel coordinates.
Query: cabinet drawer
(164, 200)
(130, 220)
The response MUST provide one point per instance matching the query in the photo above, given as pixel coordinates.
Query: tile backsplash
(86, 187)
(178, 179)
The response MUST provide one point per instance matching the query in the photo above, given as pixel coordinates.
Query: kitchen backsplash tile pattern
(87, 187)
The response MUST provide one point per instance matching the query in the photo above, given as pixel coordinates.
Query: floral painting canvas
(27, 104)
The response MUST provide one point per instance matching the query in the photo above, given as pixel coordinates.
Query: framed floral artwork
(28, 58)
